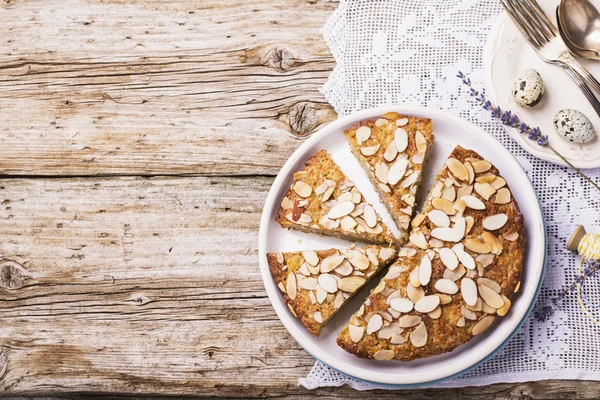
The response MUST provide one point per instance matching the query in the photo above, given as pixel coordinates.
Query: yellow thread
(589, 247)
(580, 299)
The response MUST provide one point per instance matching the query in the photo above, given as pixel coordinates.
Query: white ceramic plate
(449, 131)
(506, 54)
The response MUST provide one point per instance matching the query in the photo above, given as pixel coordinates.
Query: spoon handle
(584, 88)
(574, 64)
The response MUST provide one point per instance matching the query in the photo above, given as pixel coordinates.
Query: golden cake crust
(449, 325)
(308, 301)
(304, 208)
(384, 134)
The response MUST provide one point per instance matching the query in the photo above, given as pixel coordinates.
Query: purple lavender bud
(514, 120)
(523, 127)
(487, 105)
(505, 116)
(543, 140)
(496, 112)
(460, 75)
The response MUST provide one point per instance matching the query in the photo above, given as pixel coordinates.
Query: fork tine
(542, 16)
(523, 27)
(536, 19)
(534, 30)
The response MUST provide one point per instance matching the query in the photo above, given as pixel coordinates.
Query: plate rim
(489, 54)
(271, 201)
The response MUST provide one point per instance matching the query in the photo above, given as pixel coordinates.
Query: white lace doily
(409, 51)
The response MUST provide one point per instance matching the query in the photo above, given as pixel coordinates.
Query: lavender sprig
(512, 120)
(589, 271)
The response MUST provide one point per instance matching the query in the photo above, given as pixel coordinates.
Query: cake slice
(323, 200)
(315, 284)
(456, 275)
(392, 150)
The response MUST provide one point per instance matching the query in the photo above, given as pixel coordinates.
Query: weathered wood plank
(154, 87)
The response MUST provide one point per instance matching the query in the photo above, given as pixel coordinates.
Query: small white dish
(449, 131)
(506, 54)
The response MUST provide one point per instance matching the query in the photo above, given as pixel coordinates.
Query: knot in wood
(303, 119)
(139, 300)
(3, 362)
(280, 59)
(12, 275)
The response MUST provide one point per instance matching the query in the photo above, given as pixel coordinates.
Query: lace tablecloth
(409, 51)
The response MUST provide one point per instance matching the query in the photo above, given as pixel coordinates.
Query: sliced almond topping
(418, 219)
(408, 321)
(494, 222)
(383, 354)
(368, 151)
(468, 290)
(427, 304)
(469, 222)
(421, 142)
(449, 258)
(498, 182)
(321, 294)
(363, 134)
(348, 223)
(412, 178)
(485, 190)
(477, 307)
(308, 284)
(401, 139)
(370, 217)
(481, 166)
(495, 286)
(401, 122)
(381, 122)
(444, 298)
(386, 253)
(311, 257)
(443, 205)
(511, 237)
(341, 209)
(414, 277)
(503, 196)
(482, 325)
(457, 168)
(375, 323)
(485, 259)
(358, 259)
(327, 282)
(391, 152)
(473, 202)
(486, 308)
(397, 171)
(490, 296)
(287, 204)
(331, 262)
(435, 314)
(392, 115)
(471, 172)
(292, 310)
(397, 339)
(449, 193)
(351, 283)
(461, 322)
(425, 271)
(446, 286)
(344, 269)
(318, 317)
(300, 175)
(418, 239)
(381, 172)
(302, 189)
(280, 258)
(418, 337)
(502, 311)
(328, 193)
(356, 332)
(477, 245)
(464, 191)
(468, 314)
(290, 286)
(414, 293)
(487, 178)
(439, 218)
(401, 304)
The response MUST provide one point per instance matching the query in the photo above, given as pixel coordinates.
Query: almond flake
(468, 314)
(427, 304)
(318, 317)
(302, 189)
(468, 290)
(425, 271)
(461, 322)
(412, 178)
(397, 339)
(495, 286)
(341, 209)
(421, 142)
(344, 269)
(444, 298)
(439, 218)
(443, 205)
(351, 283)
(471, 172)
(397, 171)
(327, 282)
(401, 304)
(356, 332)
(502, 311)
(449, 193)
(470, 222)
(435, 314)
(388, 331)
(331, 262)
(482, 325)
(375, 323)
(311, 257)
(290, 287)
(490, 296)
(494, 222)
(370, 217)
(300, 175)
(386, 253)
(308, 284)
(414, 293)
(485, 259)
(418, 337)
(418, 239)
(473, 202)
(358, 259)
(418, 158)
(498, 182)
(369, 150)
(381, 172)
(487, 178)
(401, 122)
(446, 286)
(287, 204)
(363, 134)
(281, 287)
(477, 245)
(481, 166)
(503, 196)
(448, 258)
(414, 277)
(457, 168)
(401, 139)
(485, 190)
(511, 237)
(383, 354)
(408, 321)
(381, 122)
(328, 193)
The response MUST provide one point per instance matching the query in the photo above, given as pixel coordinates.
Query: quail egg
(574, 126)
(528, 88)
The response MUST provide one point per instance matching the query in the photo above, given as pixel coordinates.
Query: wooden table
(138, 140)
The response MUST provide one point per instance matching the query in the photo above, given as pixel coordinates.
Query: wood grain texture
(153, 87)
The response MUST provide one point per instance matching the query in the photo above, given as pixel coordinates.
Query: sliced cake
(391, 150)
(457, 274)
(315, 284)
(323, 200)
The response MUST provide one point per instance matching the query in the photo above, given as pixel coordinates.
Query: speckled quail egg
(574, 126)
(528, 88)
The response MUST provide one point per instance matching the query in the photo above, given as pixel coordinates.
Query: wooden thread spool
(586, 244)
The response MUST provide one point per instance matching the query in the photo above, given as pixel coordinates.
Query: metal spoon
(579, 25)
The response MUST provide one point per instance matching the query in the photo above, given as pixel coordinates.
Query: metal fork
(543, 36)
